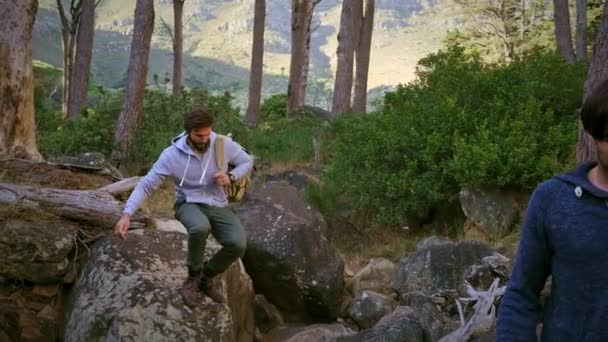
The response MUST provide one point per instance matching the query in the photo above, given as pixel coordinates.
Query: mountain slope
(218, 34)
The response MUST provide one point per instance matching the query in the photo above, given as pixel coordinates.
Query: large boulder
(399, 326)
(439, 267)
(375, 276)
(491, 211)
(369, 307)
(315, 332)
(128, 291)
(36, 251)
(289, 259)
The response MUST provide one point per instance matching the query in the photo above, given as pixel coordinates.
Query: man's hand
(221, 178)
(122, 226)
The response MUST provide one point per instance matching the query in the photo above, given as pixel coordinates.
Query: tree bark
(69, 27)
(598, 73)
(581, 30)
(132, 107)
(305, 61)
(96, 208)
(345, 53)
(298, 50)
(178, 46)
(563, 32)
(363, 58)
(17, 125)
(80, 70)
(257, 64)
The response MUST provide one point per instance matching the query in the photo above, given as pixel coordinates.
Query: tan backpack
(235, 191)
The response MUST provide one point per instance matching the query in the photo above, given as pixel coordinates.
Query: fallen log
(97, 208)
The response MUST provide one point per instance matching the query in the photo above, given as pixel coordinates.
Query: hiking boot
(189, 291)
(211, 288)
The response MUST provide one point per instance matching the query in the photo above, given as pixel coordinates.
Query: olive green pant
(223, 223)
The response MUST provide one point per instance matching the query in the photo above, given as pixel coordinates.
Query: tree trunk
(178, 46)
(17, 125)
(97, 209)
(581, 30)
(257, 64)
(298, 50)
(80, 70)
(363, 58)
(563, 32)
(69, 28)
(131, 112)
(345, 53)
(65, 39)
(305, 62)
(598, 73)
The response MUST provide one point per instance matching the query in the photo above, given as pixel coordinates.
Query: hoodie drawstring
(185, 170)
(205, 170)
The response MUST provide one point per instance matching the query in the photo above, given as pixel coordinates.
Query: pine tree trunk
(345, 53)
(131, 112)
(257, 64)
(80, 70)
(65, 39)
(298, 50)
(363, 58)
(17, 125)
(581, 30)
(305, 63)
(563, 32)
(68, 38)
(598, 73)
(178, 46)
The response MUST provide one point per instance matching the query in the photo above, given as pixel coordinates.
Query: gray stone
(36, 250)
(439, 267)
(399, 326)
(128, 291)
(491, 211)
(375, 276)
(369, 307)
(316, 332)
(289, 259)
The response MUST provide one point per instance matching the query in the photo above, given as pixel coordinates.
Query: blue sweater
(565, 235)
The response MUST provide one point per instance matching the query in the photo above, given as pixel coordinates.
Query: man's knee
(199, 230)
(237, 245)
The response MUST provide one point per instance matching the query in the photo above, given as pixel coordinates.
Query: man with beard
(565, 235)
(201, 203)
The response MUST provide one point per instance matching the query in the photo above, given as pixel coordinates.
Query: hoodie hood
(578, 179)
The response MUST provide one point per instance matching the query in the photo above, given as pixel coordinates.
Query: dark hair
(198, 118)
(594, 112)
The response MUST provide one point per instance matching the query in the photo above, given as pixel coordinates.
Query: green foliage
(162, 120)
(287, 140)
(463, 123)
(274, 108)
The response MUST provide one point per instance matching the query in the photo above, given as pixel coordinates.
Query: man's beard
(199, 147)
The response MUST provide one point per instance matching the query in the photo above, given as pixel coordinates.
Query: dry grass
(392, 243)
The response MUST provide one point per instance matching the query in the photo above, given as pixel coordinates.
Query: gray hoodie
(191, 172)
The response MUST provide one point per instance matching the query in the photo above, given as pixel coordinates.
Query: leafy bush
(162, 120)
(287, 140)
(462, 123)
(274, 108)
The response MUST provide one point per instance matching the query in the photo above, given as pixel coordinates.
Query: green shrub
(286, 140)
(462, 123)
(162, 120)
(274, 108)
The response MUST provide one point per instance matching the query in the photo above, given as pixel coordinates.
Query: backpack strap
(219, 151)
